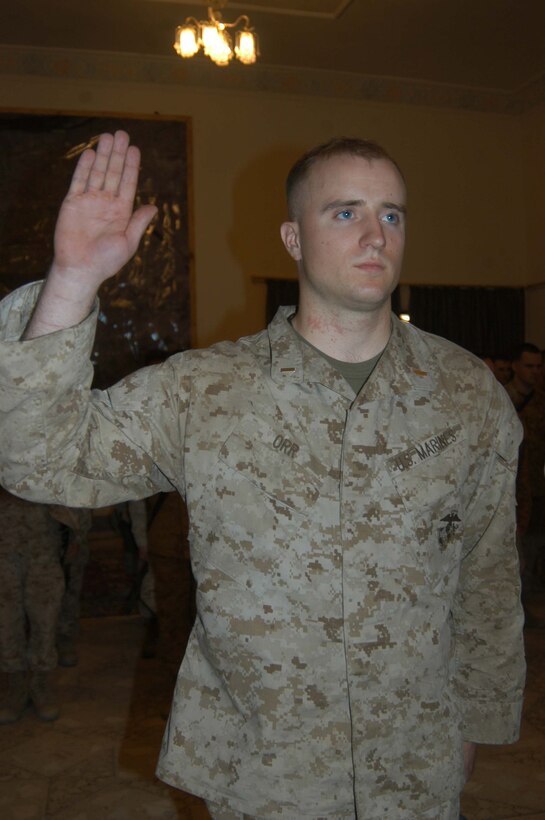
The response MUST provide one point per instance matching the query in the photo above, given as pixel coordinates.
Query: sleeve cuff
(491, 723)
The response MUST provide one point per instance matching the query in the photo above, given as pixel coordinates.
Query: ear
(289, 231)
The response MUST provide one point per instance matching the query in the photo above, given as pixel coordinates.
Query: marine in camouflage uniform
(31, 589)
(74, 562)
(529, 401)
(532, 416)
(358, 611)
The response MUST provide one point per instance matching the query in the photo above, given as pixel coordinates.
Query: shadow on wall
(254, 239)
(259, 208)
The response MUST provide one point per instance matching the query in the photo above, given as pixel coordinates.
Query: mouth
(370, 266)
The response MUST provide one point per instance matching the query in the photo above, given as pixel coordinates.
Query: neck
(347, 337)
(522, 387)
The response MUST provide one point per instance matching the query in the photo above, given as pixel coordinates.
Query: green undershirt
(355, 373)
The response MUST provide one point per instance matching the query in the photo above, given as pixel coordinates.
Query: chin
(371, 305)
(371, 298)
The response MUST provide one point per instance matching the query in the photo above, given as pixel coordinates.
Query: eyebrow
(351, 203)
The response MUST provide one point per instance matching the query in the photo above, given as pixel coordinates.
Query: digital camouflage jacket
(358, 588)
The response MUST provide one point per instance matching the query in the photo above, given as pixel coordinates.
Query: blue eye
(391, 218)
(346, 214)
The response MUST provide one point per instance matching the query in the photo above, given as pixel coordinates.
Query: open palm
(97, 231)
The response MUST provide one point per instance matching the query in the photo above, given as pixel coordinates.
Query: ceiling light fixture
(214, 38)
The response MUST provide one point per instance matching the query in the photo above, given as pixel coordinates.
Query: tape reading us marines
(420, 452)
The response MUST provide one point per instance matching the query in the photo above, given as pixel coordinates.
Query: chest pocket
(257, 513)
(430, 470)
(430, 478)
(273, 462)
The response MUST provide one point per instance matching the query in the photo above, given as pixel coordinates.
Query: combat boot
(66, 651)
(42, 696)
(16, 698)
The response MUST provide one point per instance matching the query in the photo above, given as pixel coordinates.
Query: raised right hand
(97, 232)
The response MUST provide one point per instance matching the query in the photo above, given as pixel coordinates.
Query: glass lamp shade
(222, 50)
(216, 41)
(186, 43)
(209, 37)
(246, 47)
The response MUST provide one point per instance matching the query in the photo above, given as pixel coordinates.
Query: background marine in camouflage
(31, 593)
(75, 556)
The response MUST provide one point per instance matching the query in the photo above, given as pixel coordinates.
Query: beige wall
(533, 134)
(466, 204)
(533, 141)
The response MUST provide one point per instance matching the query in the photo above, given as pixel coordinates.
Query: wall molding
(100, 66)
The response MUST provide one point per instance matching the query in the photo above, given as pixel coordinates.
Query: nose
(372, 232)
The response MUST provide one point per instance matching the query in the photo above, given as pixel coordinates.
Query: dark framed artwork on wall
(145, 312)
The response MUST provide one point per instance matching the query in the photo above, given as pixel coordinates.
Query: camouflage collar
(294, 361)
(403, 367)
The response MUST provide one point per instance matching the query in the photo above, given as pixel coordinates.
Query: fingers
(97, 172)
(113, 167)
(129, 177)
(80, 177)
(117, 160)
(107, 168)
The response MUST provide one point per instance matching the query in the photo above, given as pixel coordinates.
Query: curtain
(281, 292)
(486, 321)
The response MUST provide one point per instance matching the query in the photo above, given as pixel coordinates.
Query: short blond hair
(338, 146)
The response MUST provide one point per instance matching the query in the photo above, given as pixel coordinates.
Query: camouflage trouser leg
(43, 594)
(31, 586)
(12, 615)
(533, 547)
(74, 571)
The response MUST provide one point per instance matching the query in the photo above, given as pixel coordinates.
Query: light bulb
(221, 52)
(186, 44)
(246, 47)
(209, 38)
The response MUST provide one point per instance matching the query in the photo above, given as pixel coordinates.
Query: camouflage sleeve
(62, 443)
(487, 615)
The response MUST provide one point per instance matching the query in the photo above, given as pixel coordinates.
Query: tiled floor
(509, 781)
(97, 761)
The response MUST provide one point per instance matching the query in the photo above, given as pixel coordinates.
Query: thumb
(138, 223)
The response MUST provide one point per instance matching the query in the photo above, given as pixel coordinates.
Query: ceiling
(478, 44)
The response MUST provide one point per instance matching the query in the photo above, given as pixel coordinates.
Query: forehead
(530, 358)
(355, 177)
